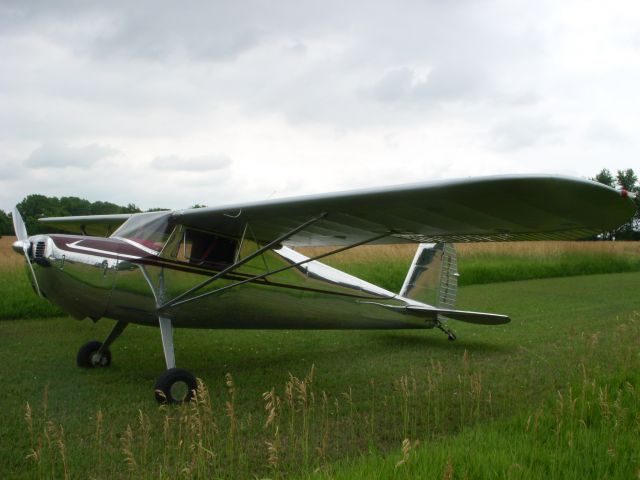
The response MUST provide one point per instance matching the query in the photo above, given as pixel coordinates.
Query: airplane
(236, 267)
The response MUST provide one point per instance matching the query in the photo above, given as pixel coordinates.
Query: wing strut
(179, 299)
(241, 262)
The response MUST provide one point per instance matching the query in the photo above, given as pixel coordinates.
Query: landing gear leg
(175, 385)
(97, 354)
(450, 334)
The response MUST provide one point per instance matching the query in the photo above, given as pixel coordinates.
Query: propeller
(22, 245)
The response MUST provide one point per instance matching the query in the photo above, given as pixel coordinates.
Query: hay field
(478, 263)
(404, 253)
(9, 260)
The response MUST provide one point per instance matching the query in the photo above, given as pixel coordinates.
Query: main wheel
(89, 356)
(175, 386)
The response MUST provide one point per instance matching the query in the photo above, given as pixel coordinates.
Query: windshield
(151, 230)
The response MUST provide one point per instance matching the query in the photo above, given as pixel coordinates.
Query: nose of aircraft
(19, 246)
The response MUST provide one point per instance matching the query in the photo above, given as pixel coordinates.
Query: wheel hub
(98, 360)
(179, 391)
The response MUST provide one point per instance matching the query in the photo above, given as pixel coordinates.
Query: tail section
(433, 276)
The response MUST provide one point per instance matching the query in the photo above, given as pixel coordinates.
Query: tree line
(628, 180)
(37, 206)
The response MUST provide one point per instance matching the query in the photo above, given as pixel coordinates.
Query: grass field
(554, 393)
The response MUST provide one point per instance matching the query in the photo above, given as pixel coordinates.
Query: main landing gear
(174, 386)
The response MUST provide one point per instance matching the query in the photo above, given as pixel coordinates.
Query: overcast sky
(168, 104)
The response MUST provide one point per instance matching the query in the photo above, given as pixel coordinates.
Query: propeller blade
(33, 274)
(18, 226)
(23, 241)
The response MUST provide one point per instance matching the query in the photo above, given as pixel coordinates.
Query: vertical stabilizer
(433, 276)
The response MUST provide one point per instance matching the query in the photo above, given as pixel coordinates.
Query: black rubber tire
(175, 386)
(87, 359)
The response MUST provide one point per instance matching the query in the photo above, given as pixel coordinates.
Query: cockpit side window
(205, 248)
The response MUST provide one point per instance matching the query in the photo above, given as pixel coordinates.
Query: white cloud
(197, 164)
(55, 155)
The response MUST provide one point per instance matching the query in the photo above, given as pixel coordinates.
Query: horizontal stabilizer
(479, 318)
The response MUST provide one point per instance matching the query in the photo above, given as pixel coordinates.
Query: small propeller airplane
(233, 266)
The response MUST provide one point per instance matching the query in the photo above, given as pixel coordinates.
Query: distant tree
(75, 206)
(628, 180)
(105, 208)
(605, 178)
(130, 208)
(6, 224)
(156, 209)
(197, 205)
(37, 206)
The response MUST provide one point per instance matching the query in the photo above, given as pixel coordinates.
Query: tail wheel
(89, 355)
(175, 386)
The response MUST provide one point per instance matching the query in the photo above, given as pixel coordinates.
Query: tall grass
(589, 430)
(450, 418)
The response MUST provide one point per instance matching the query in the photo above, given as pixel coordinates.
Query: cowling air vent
(39, 251)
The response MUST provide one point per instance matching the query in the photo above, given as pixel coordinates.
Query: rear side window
(208, 249)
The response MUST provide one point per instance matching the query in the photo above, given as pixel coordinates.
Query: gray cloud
(602, 131)
(522, 132)
(302, 59)
(405, 84)
(202, 163)
(56, 155)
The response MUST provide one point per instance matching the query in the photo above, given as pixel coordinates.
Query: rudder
(433, 276)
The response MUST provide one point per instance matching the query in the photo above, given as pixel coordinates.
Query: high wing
(503, 208)
(94, 225)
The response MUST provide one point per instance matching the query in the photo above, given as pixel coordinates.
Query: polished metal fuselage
(116, 278)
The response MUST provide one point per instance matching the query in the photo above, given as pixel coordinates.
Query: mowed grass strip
(284, 403)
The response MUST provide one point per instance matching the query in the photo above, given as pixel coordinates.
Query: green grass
(18, 298)
(495, 267)
(590, 430)
(377, 386)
